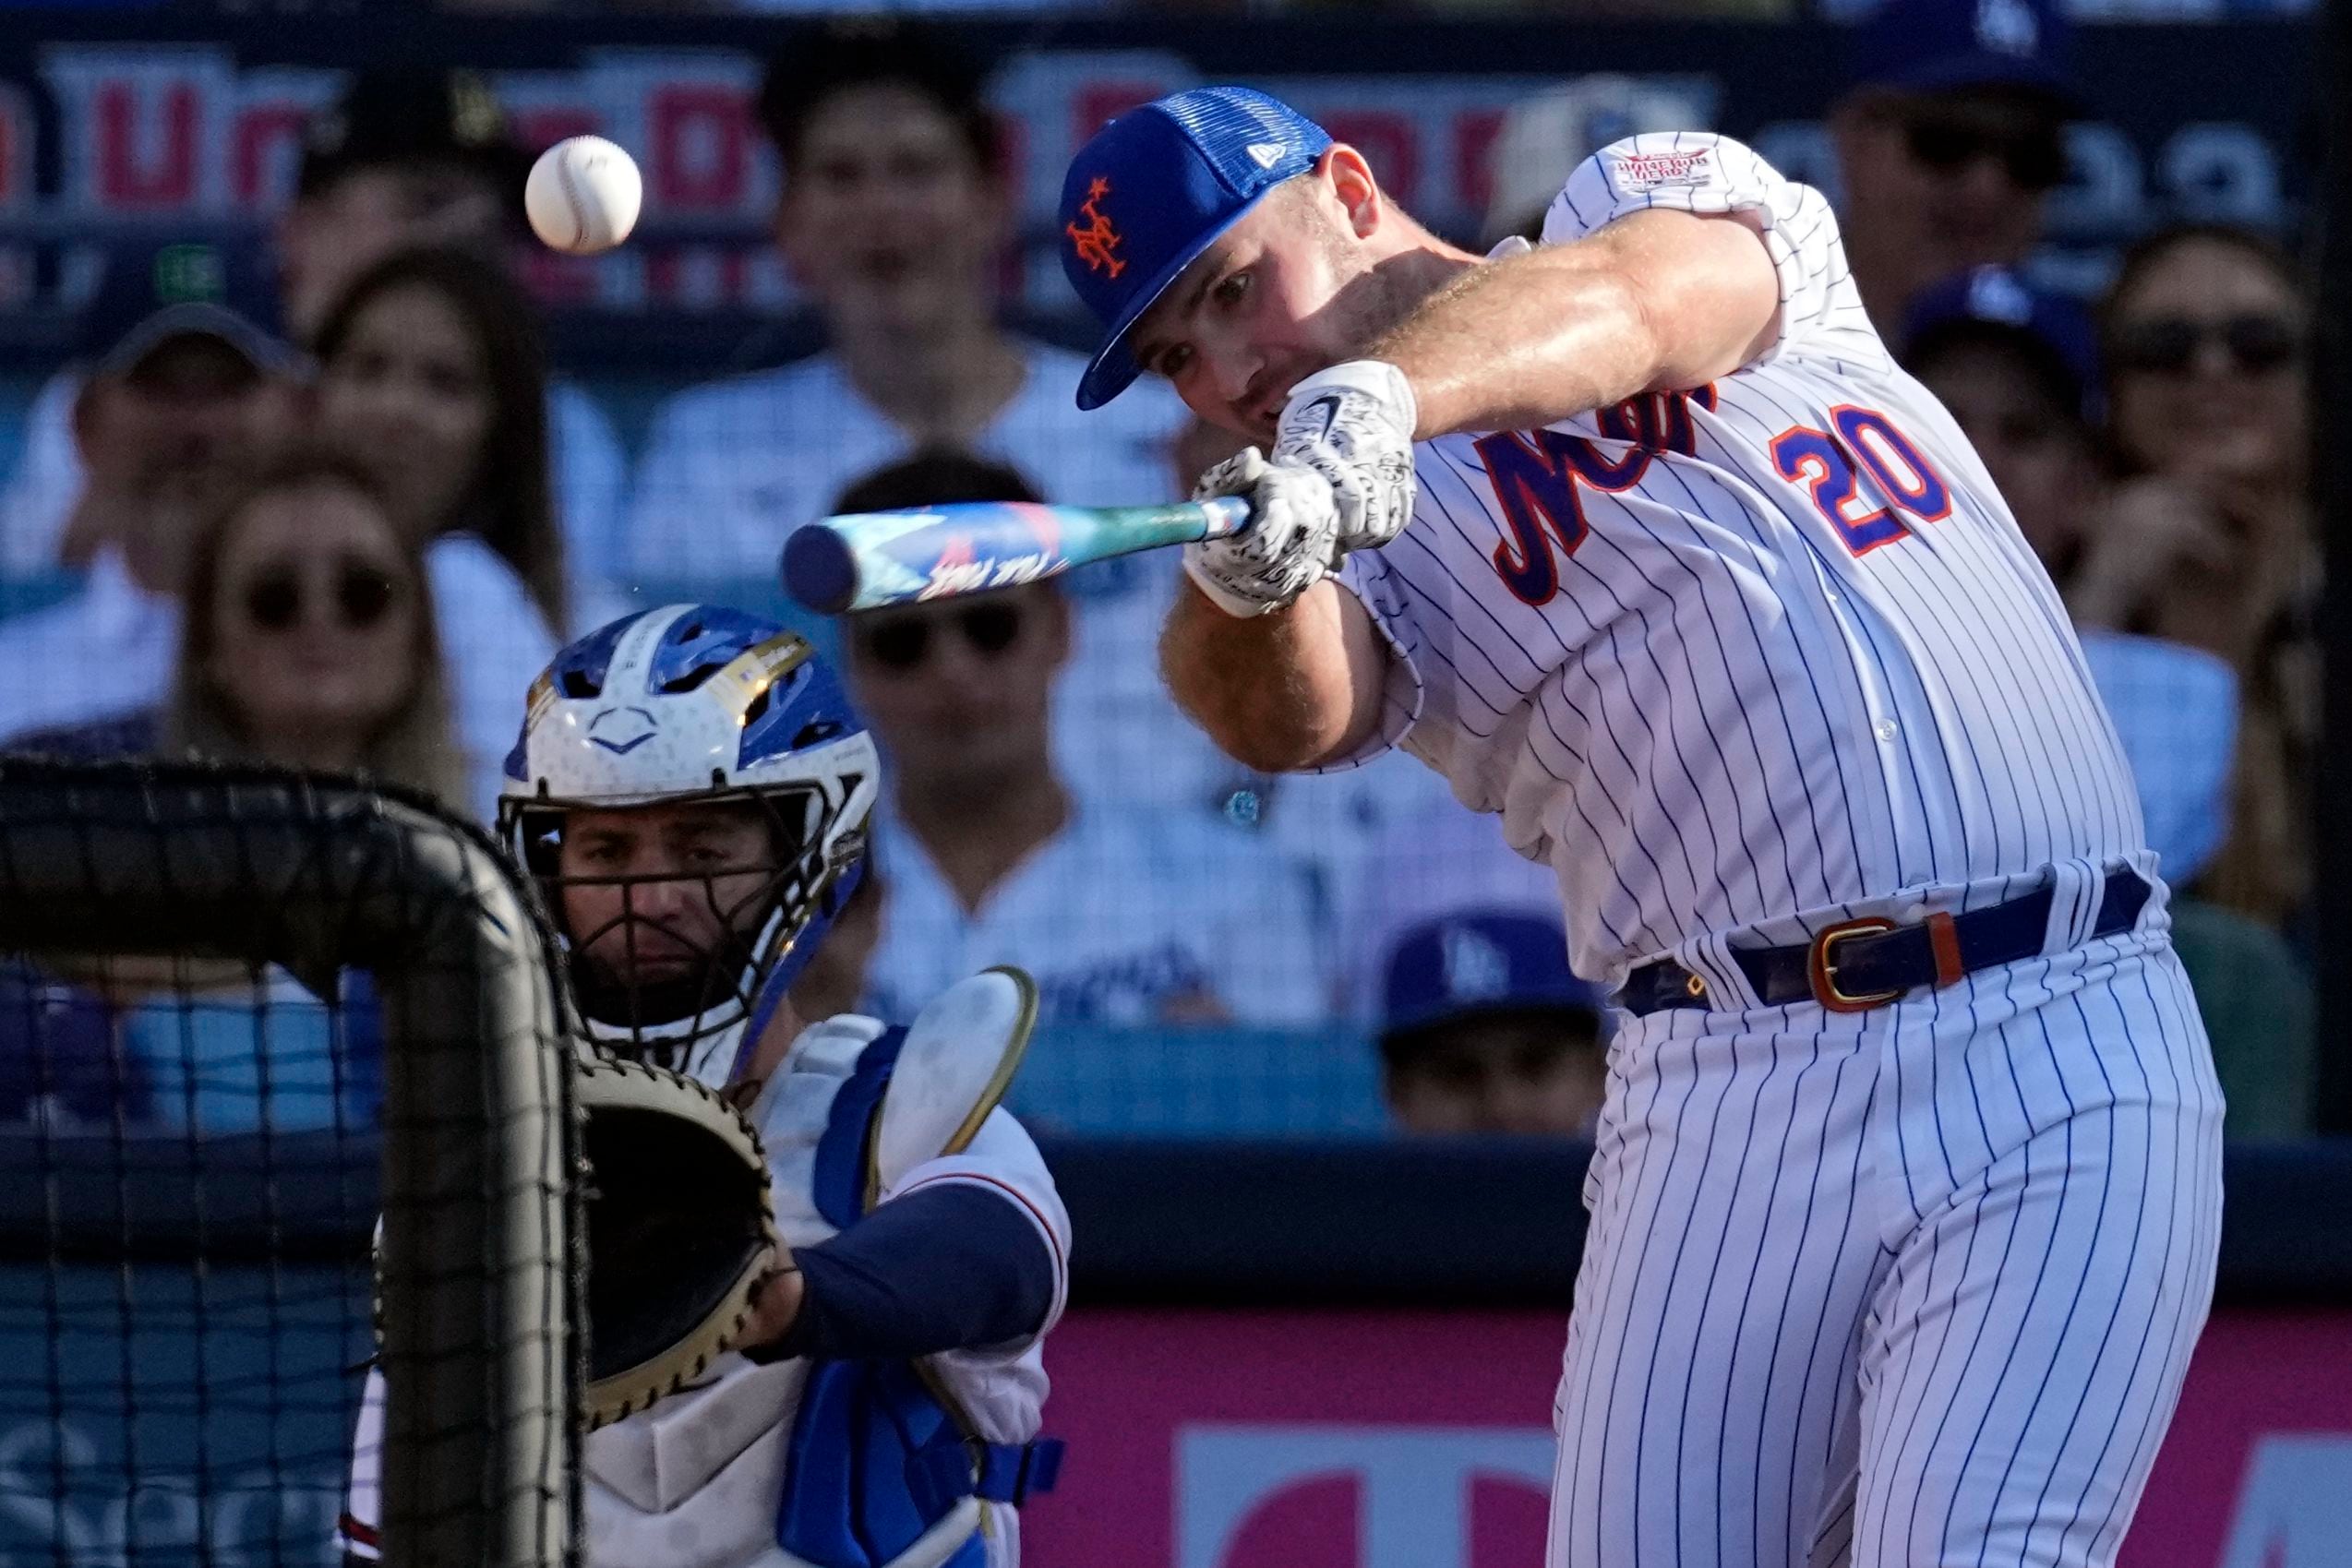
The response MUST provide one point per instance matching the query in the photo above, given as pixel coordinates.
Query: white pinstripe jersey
(1752, 658)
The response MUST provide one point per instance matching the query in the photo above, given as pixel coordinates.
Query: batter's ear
(1349, 180)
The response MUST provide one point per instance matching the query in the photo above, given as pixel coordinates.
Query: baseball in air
(582, 195)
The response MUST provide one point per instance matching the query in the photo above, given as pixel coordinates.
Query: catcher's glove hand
(681, 1231)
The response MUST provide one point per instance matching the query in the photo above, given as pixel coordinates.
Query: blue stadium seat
(1199, 1082)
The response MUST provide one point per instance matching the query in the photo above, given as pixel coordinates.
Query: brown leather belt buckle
(1822, 967)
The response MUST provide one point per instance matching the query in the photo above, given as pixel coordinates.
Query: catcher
(691, 791)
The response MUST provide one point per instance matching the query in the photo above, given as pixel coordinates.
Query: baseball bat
(866, 559)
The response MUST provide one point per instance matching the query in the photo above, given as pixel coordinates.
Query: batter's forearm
(1660, 300)
(1274, 692)
(1522, 344)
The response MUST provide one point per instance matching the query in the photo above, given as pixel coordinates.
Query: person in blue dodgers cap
(1949, 140)
(1486, 1030)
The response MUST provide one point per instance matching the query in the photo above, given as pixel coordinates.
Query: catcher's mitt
(680, 1230)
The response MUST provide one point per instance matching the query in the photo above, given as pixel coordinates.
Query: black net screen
(242, 1017)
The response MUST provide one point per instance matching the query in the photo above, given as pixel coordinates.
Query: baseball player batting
(1907, 1190)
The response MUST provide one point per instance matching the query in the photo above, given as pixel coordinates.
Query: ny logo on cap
(1097, 239)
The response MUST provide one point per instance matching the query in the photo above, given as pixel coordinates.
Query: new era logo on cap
(1154, 189)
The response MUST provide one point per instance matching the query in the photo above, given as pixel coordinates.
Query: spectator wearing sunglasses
(1124, 913)
(2206, 332)
(308, 640)
(1948, 141)
(2211, 540)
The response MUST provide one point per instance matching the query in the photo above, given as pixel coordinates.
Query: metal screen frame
(479, 1249)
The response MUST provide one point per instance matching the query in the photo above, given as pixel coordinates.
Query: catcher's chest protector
(883, 1471)
(824, 1463)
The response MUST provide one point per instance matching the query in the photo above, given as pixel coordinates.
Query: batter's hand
(1353, 425)
(1291, 544)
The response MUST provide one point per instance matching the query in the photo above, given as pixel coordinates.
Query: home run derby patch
(1657, 171)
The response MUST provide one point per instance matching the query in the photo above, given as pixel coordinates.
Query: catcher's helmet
(686, 705)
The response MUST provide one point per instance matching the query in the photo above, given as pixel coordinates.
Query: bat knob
(819, 569)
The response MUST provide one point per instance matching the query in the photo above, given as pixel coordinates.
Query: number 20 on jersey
(1900, 479)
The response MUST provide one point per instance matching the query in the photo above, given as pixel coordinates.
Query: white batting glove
(1353, 425)
(1291, 544)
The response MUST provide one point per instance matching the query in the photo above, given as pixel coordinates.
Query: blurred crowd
(330, 507)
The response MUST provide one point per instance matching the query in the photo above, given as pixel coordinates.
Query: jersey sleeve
(1703, 173)
(1002, 1159)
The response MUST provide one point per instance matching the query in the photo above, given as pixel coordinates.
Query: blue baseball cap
(1994, 301)
(150, 294)
(1942, 45)
(1156, 187)
(1479, 962)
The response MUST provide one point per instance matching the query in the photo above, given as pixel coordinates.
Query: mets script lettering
(1536, 475)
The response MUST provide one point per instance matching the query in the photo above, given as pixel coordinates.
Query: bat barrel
(845, 564)
(821, 570)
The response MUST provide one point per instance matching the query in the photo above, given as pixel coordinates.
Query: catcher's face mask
(689, 787)
(675, 913)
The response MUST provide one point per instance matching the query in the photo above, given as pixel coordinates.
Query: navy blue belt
(1855, 966)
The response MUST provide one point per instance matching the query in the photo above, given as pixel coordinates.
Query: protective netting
(242, 1015)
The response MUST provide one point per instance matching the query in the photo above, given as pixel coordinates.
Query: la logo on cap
(2008, 27)
(1995, 296)
(1476, 966)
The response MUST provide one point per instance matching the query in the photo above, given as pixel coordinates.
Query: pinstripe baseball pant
(1906, 1287)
